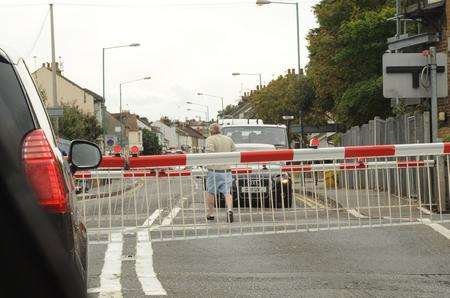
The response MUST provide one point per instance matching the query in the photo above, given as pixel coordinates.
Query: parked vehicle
(267, 187)
(33, 145)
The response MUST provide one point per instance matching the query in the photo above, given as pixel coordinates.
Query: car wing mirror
(84, 155)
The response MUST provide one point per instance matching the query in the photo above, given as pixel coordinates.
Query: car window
(35, 100)
(13, 102)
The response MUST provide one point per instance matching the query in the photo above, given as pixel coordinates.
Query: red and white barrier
(234, 158)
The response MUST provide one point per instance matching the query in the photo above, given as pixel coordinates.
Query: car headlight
(284, 180)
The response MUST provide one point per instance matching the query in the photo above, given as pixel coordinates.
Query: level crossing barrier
(276, 191)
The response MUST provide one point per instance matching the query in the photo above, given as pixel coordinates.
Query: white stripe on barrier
(203, 159)
(419, 149)
(319, 154)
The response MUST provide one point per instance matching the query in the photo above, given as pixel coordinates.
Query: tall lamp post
(205, 106)
(249, 74)
(103, 61)
(120, 104)
(214, 96)
(265, 2)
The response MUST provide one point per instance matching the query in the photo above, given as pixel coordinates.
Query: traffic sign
(135, 149)
(55, 112)
(117, 149)
(405, 75)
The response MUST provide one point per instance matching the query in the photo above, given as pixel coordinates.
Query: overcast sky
(187, 46)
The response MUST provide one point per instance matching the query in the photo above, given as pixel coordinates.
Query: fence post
(440, 185)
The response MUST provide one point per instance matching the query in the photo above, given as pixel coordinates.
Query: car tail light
(44, 174)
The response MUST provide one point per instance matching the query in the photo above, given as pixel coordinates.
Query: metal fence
(404, 129)
(279, 191)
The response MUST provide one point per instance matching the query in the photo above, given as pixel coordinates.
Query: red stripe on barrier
(410, 164)
(352, 166)
(152, 161)
(81, 175)
(370, 151)
(241, 171)
(297, 169)
(112, 162)
(265, 156)
(446, 148)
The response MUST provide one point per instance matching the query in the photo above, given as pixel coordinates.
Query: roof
(192, 132)
(90, 92)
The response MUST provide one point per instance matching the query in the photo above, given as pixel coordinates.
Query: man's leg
(210, 203)
(229, 201)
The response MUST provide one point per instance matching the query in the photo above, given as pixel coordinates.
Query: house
(169, 132)
(68, 92)
(195, 140)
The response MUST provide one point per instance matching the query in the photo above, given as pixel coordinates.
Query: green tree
(346, 56)
(76, 125)
(287, 95)
(150, 143)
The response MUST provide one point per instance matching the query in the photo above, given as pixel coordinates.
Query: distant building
(68, 92)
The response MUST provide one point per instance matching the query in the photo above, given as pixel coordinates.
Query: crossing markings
(112, 269)
(144, 260)
(437, 227)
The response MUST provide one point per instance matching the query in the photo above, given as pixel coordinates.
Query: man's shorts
(218, 182)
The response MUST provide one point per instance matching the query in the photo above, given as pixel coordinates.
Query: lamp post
(265, 2)
(249, 74)
(214, 96)
(103, 61)
(205, 106)
(120, 105)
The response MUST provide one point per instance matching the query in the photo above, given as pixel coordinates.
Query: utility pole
(434, 114)
(54, 91)
(299, 73)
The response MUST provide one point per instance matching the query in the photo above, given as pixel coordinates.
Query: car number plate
(254, 189)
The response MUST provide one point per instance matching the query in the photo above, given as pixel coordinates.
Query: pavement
(132, 252)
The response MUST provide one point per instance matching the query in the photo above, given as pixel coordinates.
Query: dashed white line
(144, 261)
(356, 214)
(437, 227)
(112, 268)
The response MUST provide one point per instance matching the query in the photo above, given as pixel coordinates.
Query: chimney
(293, 71)
(289, 71)
(257, 87)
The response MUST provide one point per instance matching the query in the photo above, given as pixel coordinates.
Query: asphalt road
(410, 260)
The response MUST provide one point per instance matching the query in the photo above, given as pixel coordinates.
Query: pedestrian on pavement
(219, 178)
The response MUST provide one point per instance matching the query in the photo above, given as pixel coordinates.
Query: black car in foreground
(28, 137)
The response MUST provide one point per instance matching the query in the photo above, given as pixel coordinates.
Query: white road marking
(144, 260)
(112, 268)
(437, 227)
(149, 221)
(356, 214)
(426, 211)
(168, 219)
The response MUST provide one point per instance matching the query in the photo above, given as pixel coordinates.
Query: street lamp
(205, 106)
(120, 104)
(265, 2)
(214, 96)
(248, 74)
(103, 61)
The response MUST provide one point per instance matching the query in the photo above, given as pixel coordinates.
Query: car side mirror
(84, 155)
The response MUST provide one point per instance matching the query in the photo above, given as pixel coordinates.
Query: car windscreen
(14, 103)
(256, 135)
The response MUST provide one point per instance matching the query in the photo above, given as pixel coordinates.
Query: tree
(345, 56)
(150, 143)
(287, 95)
(76, 125)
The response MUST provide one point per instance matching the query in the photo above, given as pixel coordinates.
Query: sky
(186, 47)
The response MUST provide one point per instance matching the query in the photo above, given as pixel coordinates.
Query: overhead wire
(41, 29)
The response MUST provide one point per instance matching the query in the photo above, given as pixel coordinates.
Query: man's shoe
(210, 217)
(230, 216)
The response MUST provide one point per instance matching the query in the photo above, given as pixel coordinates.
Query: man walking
(219, 179)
